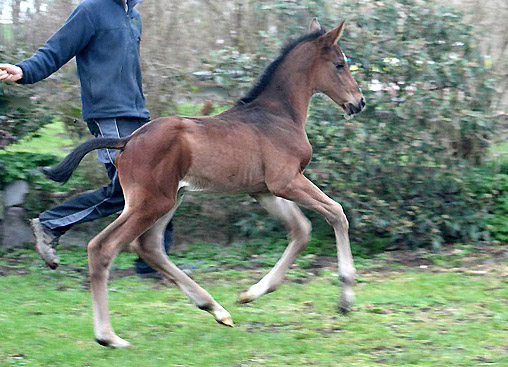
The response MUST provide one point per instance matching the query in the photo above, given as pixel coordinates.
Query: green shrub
(45, 193)
(22, 165)
(491, 189)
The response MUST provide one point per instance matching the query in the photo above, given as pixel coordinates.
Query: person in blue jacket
(104, 36)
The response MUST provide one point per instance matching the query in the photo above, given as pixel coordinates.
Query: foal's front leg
(302, 191)
(299, 229)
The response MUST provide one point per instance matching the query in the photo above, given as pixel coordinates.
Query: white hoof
(222, 316)
(246, 297)
(114, 342)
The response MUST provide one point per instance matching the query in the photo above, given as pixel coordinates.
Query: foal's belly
(223, 184)
(193, 184)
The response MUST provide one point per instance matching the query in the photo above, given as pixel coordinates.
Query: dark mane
(267, 75)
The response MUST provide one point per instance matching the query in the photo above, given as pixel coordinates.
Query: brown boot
(45, 243)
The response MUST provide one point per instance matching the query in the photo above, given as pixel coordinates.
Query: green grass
(440, 315)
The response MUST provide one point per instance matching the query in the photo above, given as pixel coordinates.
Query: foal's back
(216, 154)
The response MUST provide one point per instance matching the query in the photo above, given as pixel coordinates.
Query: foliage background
(416, 169)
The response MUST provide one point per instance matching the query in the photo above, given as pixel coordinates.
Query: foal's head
(331, 71)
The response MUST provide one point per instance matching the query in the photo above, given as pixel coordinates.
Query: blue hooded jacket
(105, 38)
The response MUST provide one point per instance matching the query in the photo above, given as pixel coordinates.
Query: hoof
(227, 321)
(344, 310)
(220, 314)
(347, 300)
(245, 297)
(115, 342)
(345, 307)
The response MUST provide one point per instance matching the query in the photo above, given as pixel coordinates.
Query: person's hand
(10, 72)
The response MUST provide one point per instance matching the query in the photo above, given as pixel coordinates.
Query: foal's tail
(63, 170)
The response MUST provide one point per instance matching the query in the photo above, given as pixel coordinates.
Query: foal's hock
(258, 147)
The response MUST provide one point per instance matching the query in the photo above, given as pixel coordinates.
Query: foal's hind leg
(101, 251)
(148, 247)
(299, 235)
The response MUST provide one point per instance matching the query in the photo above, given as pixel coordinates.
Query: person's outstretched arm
(60, 48)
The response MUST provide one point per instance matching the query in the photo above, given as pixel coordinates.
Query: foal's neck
(289, 94)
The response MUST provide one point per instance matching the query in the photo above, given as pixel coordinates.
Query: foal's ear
(331, 37)
(314, 25)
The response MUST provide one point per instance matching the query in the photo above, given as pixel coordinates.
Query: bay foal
(258, 147)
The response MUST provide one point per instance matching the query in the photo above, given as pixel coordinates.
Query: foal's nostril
(353, 109)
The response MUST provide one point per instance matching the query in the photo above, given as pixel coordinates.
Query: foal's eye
(338, 65)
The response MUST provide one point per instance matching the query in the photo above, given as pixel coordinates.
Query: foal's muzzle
(351, 109)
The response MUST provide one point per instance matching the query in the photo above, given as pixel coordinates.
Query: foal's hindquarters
(150, 186)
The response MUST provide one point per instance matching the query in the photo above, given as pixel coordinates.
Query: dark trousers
(105, 201)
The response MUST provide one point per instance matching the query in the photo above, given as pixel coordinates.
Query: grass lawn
(412, 310)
